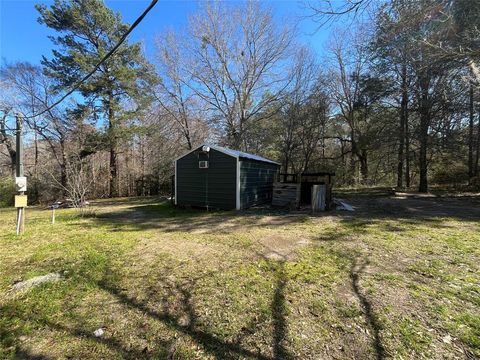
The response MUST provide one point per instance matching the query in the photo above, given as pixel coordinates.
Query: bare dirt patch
(457, 208)
(276, 246)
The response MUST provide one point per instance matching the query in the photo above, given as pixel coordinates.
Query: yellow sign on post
(20, 201)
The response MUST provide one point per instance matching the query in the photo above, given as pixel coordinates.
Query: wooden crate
(285, 194)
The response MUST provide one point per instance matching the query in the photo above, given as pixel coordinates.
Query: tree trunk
(113, 186)
(306, 163)
(94, 176)
(423, 185)
(353, 170)
(424, 109)
(401, 132)
(287, 161)
(135, 170)
(63, 167)
(477, 146)
(113, 172)
(352, 159)
(35, 166)
(6, 140)
(128, 171)
(142, 152)
(364, 167)
(187, 134)
(344, 162)
(234, 139)
(407, 151)
(424, 125)
(471, 139)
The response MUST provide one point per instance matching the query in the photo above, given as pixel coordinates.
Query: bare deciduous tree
(6, 139)
(235, 59)
(324, 12)
(176, 100)
(349, 65)
(34, 93)
(313, 126)
(303, 79)
(79, 180)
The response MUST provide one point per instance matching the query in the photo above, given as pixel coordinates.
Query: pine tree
(87, 31)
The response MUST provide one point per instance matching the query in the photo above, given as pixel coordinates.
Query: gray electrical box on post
(21, 183)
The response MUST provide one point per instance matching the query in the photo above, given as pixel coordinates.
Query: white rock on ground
(99, 332)
(36, 281)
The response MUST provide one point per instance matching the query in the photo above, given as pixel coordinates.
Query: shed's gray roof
(235, 153)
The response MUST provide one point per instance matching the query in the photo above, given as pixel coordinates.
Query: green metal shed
(211, 176)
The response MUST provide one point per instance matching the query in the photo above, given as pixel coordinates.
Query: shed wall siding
(213, 187)
(256, 182)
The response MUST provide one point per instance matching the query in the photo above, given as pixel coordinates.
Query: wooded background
(393, 101)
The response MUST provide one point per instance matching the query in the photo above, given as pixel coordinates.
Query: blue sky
(22, 38)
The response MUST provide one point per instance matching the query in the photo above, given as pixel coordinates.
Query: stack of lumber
(285, 194)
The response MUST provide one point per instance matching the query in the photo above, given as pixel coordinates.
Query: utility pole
(20, 180)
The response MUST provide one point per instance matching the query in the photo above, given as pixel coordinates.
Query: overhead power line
(76, 86)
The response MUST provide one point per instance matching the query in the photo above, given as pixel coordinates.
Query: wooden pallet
(286, 194)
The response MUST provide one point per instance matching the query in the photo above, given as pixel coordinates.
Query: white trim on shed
(176, 194)
(237, 199)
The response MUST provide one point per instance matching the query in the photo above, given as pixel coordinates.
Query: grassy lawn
(399, 278)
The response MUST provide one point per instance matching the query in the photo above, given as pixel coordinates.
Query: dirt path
(402, 206)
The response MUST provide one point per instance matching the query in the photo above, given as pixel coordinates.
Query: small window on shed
(203, 164)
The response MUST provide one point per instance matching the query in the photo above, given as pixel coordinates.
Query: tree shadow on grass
(378, 211)
(412, 210)
(279, 310)
(355, 273)
(167, 218)
(355, 264)
(187, 321)
(278, 304)
(110, 342)
(25, 354)
(211, 343)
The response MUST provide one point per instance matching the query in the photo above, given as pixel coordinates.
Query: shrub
(453, 174)
(474, 183)
(7, 191)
